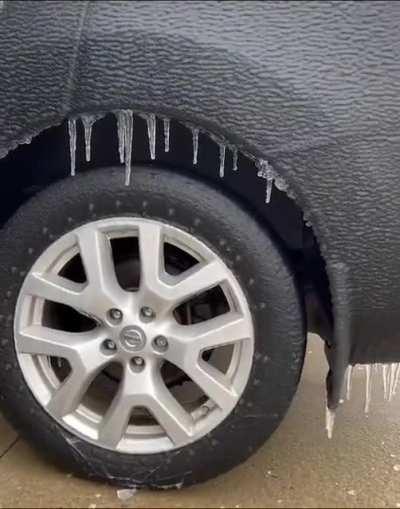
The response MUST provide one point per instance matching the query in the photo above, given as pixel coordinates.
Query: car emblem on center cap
(132, 338)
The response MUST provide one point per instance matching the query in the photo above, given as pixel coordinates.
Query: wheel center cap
(132, 338)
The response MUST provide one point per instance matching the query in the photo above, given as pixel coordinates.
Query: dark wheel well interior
(46, 159)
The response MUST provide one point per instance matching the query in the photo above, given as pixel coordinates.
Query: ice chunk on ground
(126, 494)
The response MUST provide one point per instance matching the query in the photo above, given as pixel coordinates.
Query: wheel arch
(47, 159)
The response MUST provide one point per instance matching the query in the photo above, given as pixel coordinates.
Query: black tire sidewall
(246, 248)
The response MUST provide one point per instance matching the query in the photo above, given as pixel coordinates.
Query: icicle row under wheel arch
(125, 140)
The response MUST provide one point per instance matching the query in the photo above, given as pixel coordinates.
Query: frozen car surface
(260, 138)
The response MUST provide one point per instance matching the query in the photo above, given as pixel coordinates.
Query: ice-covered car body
(309, 89)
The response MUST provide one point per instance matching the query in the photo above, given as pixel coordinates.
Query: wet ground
(298, 467)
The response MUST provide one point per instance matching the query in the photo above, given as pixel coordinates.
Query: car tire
(235, 237)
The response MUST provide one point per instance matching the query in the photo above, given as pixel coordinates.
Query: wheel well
(31, 167)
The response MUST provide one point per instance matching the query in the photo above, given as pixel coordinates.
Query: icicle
(222, 150)
(384, 376)
(195, 138)
(368, 387)
(349, 380)
(72, 143)
(235, 159)
(125, 138)
(88, 121)
(121, 135)
(151, 131)
(392, 378)
(329, 421)
(396, 380)
(128, 132)
(166, 134)
(266, 173)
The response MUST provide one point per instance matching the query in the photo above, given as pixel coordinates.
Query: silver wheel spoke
(39, 340)
(85, 366)
(192, 340)
(68, 396)
(175, 421)
(95, 250)
(219, 331)
(214, 384)
(151, 257)
(197, 280)
(97, 258)
(172, 290)
(115, 421)
(55, 289)
(145, 390)
(222, 330)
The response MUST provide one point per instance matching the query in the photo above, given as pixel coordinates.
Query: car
(188, 189)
